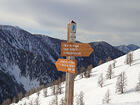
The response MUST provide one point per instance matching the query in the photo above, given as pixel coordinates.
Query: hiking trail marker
(70, 50)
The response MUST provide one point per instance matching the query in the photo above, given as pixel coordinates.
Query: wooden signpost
(70, 50)
(69, 92)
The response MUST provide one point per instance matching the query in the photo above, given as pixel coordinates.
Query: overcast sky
(114, 21)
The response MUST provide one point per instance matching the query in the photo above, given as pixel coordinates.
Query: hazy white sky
(114, 21)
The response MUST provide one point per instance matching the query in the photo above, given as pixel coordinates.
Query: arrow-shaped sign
(76, 49)
(66, 65)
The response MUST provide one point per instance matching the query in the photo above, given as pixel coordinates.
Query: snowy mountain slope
(93, 94)
(28, 59)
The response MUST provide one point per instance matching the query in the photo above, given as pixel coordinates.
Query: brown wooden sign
(76, 49)
(66, 65)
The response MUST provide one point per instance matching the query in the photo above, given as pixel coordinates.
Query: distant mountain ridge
(133, 47)
(127, 48)
(28, 60)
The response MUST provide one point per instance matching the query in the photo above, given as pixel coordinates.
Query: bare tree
(37, 101)
(109, 72)
(15, 100)
(129, 58)
(87, 73)
(62, 101)
(45, 92)
(53, 89)
(108, 59)
(114, 64)
(54, 101)
(81, 75)
(25, 103)
(107, 98)
(58, 89)
(20, 95)
(31, 103)
(38, 88)
(51, 103)
(80, 99)
(100, 80)
(82, 69)
(121, 83)
(27, 94)
(63, 78)
(89, 67)
(38, 93)
(32, 91)
(138, 84)
(100, 62)
(6, 102)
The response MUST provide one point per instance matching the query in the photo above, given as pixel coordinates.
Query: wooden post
(71, 38)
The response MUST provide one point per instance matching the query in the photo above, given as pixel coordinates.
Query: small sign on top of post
(73, 27)
(71, 32)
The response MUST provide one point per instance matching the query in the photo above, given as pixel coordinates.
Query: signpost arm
(69, 94)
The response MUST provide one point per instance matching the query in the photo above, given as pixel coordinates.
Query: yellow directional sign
(66, 65)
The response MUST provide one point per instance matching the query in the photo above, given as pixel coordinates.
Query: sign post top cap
(73, 22)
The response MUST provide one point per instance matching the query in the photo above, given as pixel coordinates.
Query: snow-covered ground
(93, 94)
